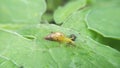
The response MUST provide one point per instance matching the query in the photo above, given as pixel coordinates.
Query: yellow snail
(61, 38)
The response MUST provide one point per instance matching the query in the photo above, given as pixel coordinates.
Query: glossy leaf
(105, 19)
(38, 52)
(21, 11)
(62, 13)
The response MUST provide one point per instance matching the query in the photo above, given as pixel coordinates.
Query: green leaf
(6, 63)
(77, 22)
(40, 53)
(105, 20)
(21, 11)
(62, 13)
